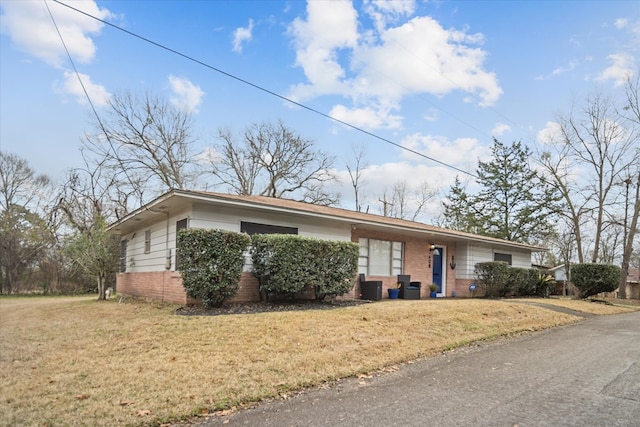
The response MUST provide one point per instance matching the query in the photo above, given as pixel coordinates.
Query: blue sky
(441, 78)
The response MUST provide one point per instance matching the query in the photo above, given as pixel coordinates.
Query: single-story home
(388, 246)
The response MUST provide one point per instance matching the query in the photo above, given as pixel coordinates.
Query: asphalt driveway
(587, 374)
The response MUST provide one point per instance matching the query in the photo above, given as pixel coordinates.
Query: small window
(180, 225)
(123, 256)
(502, 257)
(255, 228)
(147, 241)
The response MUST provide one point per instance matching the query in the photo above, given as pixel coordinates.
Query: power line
(265, 90)
(86, 93)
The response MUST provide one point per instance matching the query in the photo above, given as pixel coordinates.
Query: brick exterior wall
(416, 263)
(166, 286)
(461, 287)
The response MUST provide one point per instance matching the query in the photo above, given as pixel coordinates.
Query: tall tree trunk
(628, 247)
(101, 289)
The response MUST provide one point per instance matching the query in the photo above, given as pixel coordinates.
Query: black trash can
(371, 290)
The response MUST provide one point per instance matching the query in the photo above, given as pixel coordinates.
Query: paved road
(587, 374)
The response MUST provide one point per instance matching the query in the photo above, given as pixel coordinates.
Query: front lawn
(77, 361)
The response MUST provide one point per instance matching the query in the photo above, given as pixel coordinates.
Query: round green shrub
(592, 279)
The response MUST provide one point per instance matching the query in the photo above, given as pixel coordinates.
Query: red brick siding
(416, 260)
(165, 286)
(462, 288)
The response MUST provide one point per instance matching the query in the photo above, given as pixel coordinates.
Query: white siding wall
(205, 216)
(469, 254)
(137, 260)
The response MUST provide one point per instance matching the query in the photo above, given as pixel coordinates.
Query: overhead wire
(86, 93)
(265, 90)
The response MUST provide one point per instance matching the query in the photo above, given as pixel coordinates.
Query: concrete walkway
(586, 374)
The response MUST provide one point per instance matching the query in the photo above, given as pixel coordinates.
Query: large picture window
(380, 257)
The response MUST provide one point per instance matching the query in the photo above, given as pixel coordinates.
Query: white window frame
(388, 264)
(147, 241)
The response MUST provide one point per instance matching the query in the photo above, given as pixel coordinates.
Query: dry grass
(590, 307)
(76, 361)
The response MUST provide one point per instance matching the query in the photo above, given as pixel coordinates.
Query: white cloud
(621, 23)
(378, 180)
(500, 129)
(550, 134)
(330, 26)
(186, 95)
(378, 69)
(71, 85)
(619, 71)
(463, 153)
(564, 69)
(384, 11)
(368, 118)
(242, 35)
(29, 26)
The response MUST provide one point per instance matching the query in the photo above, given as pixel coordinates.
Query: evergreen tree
(459, 211)
(515, 202)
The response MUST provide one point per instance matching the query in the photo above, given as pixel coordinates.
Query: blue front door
(437, 269)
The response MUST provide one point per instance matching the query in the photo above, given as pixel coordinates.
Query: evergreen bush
(211, 263)
(523, 281)
(591, 279)
(286, 265)
(493, 277)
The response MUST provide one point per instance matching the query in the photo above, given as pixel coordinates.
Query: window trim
(147, 241)
(396, 256)
(181, 224)
(123, 256)
(257, 228)
(500, 256)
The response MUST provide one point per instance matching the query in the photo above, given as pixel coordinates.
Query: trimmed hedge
(211, 263)
(493, 276)
(591, 279)
(286, 265)
(500, 280)
(523, 281)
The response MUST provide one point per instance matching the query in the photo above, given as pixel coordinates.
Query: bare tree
(576, 203)
(145, 143)
(631, 112)
(25, 226)
(594, 150)
(407, 202)
(86, 196)
(273, 161)
(355, 170)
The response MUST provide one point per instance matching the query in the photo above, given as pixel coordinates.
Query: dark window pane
(255, 228)
(502, 257)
